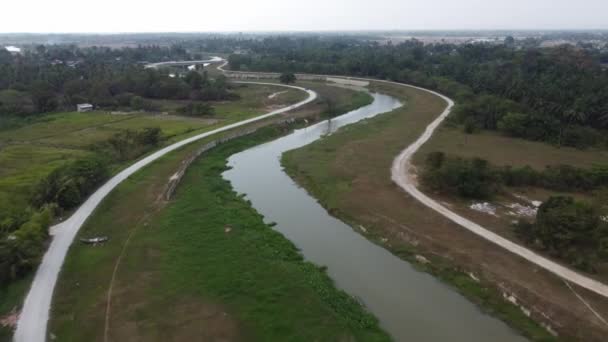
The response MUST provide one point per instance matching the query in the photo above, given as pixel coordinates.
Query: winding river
(411, 305)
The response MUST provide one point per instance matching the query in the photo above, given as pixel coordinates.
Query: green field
(28, 153)
(502, 150)
(202, 266)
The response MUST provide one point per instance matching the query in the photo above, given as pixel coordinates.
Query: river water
(411, 305)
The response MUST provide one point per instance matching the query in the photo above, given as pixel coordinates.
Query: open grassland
(349, 173)
(253, 99)
(502, 150)
(29, 153)
(203, 266)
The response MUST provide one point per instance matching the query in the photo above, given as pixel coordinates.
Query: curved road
(401, 175)
(34, 316)
(35, 312)
(182, 63)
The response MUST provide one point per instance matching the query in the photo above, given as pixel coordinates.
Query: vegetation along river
(411, 305)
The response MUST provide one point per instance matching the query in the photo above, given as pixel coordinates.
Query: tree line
(558, 95)
(476, 178)
(59, 77)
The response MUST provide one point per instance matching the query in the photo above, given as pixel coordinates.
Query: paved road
(401, 175)
(403, 178)
(34, 316)
(183, 63)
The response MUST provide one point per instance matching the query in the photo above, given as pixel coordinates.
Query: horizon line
(307, 31)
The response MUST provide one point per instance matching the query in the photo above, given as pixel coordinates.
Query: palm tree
(567, 118)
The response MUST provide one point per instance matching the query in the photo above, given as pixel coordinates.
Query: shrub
(68, 185)
(581, 137)
(468, 178)
(196, 109)
(287, 78)
(20, 252)
(571, 230)
(478, 179)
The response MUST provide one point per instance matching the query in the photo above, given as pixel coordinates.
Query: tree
(13, 102)
(194, 79)
(571, 230)
(287, 78)
(43, 97)
(514, 124)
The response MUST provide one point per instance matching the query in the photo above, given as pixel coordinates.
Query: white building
(13, 49)
(84, 107)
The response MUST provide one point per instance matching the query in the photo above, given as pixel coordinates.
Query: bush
(13, 102)
(514, 124)
(478, 179)
(139, 103)
(582, 137)
(67, 186)
(571, 230)
(196, 109)
(287, 78)
(124, 99)
(468, 178)
(520, 176)
(485, 111)
(130, 144)
(20, 252)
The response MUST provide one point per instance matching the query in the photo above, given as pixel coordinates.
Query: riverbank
(31, 151)
(176, 280)
(349, 172)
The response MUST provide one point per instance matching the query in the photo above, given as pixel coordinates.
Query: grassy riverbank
(34, 148)
(201, 266)
(349, 173)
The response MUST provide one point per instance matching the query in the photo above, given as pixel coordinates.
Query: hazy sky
(297, 15)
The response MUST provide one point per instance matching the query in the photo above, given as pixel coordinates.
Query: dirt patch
(10, 320)
(140, 314)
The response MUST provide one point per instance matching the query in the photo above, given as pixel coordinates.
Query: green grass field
(203, 266)
(502, 150)
(28, 153)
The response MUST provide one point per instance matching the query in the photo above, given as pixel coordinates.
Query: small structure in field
(95, 240)
(84, 107)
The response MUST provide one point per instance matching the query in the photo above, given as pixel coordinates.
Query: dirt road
(402, 175)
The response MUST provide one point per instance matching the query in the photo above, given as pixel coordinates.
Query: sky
(113, 16)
